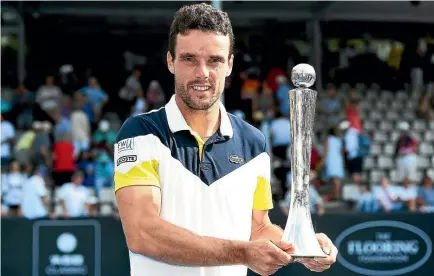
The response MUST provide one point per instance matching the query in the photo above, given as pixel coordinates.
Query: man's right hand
(265, 258)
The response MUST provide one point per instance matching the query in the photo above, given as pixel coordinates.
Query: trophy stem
(299, 229)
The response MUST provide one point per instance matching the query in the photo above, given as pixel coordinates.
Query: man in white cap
(405, 153)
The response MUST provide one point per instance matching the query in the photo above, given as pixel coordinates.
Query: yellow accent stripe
(200, 142)
(145, 173)
(263, 199)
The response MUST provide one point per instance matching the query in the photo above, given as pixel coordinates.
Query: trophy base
(305, 256)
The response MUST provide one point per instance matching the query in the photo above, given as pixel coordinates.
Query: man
(192, 181)
(405, 153)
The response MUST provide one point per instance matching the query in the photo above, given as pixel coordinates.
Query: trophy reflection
(299, 229)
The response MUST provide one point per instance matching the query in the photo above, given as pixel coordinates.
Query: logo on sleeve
(126, 144)
(125, 159)
(236, 160)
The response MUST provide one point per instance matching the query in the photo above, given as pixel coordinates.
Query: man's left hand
(321, 264)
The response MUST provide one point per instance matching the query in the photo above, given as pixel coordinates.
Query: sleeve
(40, 188)
(262, 199)
(136, 151)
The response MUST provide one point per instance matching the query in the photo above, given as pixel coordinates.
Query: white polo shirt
(76, 198)
(208, 188)
(32, 205)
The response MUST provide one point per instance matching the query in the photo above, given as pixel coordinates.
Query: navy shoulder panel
(147, 123)
(248, 137)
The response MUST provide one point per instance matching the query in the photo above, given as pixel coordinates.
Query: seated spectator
(23, 147)
(81, 130)
(330, 107)
(49, 96)
(12, 185)
(104, 170)
(424, 110)
(365, 201)
(387, 197)
(74, 197)
(315, 201)
(41, 146)
(104, 137)
(66, 107)
(426, 195)
(7, 138)
(405, 153)
(34, 204)
(23, 104)
(408, 195)
(352, 110)
(62, 124)
(85, 164)
(282, 95)
(155, 96)
(63, 160)
(129, 92)
(140, 106)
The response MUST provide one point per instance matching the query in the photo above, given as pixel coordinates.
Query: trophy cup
(299, 229)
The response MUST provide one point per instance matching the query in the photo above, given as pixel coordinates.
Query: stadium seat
(419, 125)
(381, 105)
(369, 125)
(106, 209)
(389, 149)
(401, 95)
(376, 176)
(394, 135)
(431, 125)
(397, 105)
(429, 136)
(385, 162)
(380, 137)
(423, 162)
(106, 195)
(376, 115)
(426, 149)
(368, 163)
(350, 192)
(385, 125)
(409, 115)
(417, 136)
(376, 149)
(430, 173)
(418, 177)
(394, 176)
(391, 115)
(386, 95)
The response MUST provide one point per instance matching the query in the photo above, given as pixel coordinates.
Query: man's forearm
(164, 241)
(268, 231)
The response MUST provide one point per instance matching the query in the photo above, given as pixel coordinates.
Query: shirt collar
(177, 122)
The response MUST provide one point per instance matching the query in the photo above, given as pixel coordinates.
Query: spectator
(330, 108)
(104, 171)
(280, 131)
(34, 204)
(426, 195)
(408, 195)
(7, 138)
(104, 137)
(49, 96)
(405, 153)
(85, 164)
(334, 162)
(387, 197)
(81, 130)
(316, 203)
(6, 100)
(65, 109)
(352, 110)
(140, 106)
(62, 124)
(352, 150)
(424, 110)
(365, 200)
(41, 147)
(96, 96)
(264, 104)
(23, 147)
(155, 96)
(282, 95)
(129, 92)
(74, 197)
(23, 104)
(63, 160)
(12, 185)
(86, 107)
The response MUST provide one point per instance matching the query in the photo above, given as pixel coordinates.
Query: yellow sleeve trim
(145, 173)
(263, 199)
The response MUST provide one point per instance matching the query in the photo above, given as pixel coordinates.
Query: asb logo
(381, 248)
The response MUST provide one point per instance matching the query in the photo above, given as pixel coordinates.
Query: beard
(196, 104)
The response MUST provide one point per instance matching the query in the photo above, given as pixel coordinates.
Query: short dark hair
(202, 17)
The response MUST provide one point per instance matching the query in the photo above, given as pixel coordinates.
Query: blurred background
(72, 72)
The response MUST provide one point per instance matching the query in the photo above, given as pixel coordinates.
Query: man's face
(200, 66)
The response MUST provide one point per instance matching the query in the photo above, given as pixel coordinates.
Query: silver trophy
(299, 229)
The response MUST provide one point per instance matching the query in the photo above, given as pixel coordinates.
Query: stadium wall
(389, 244)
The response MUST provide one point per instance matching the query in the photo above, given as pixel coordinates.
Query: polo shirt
(208, 188)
